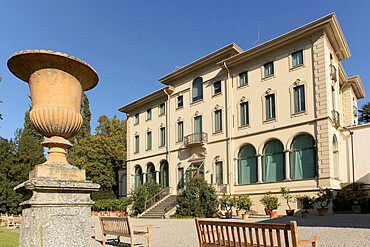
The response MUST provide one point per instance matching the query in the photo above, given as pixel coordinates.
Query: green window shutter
(180, 131)
(218, 120)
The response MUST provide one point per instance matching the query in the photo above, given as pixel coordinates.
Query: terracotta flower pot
(228, 215)
(289, 212)
(240, 212)
(322, 211)
(273, 214)
(245, 216)
(267, 211)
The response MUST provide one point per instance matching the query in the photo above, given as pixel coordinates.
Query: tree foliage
(143, 193)
(364, 116)
(197, 200)
(102, 155)
(86, 119)
(18, 158)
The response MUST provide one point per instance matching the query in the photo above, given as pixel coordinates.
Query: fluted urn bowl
(56, 82)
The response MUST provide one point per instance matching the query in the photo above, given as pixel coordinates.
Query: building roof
(230, 50)
(329, 23)
(148, 98)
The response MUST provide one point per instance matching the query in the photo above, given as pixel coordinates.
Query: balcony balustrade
(333, 72)
(195, 138)
(335, 116)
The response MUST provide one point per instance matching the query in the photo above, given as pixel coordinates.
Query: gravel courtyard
(334, 230)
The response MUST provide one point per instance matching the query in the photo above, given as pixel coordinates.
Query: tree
(86, 119)
(364, 113)
(18, 158)
(198, 200)
(102, 155)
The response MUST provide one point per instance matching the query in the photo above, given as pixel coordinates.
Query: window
(218, 121)
(297, 58)
(149, 114)
(197, 89)
(335, 158)
(198, 129)
(180, 131)
(162, 109)
(269, 69)
(270, 106)
(217, 87)
(180, 172)
(247, 165)
(243, 78)
(150, 173)
(180, 101)
(219, 173)
(302, 157)
(299, 99)
(164, 178)
(138, 176)
(148, 140)
(244, 114)
(137, 144)
(273, 162)
(136, 118)
(163, 136)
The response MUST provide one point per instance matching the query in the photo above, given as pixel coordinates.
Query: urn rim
(24, 63)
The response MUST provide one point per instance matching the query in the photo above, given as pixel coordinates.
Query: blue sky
(133, 43)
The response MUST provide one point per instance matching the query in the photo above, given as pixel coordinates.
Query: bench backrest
(116, 225)
(17, 219)
(227, 233)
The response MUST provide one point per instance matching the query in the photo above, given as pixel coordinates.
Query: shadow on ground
(333, 220)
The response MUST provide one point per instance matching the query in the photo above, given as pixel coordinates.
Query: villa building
(252, 121)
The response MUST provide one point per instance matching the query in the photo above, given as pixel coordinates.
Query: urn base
(57, 171)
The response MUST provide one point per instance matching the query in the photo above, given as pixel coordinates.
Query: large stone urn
(57, 208)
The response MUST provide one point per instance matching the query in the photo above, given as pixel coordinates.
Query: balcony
(355, 111)
(196, 138)
(335, 116)
(333, 73)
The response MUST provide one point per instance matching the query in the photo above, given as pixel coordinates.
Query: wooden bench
(243, 234)
(122, 227)
(14, 221)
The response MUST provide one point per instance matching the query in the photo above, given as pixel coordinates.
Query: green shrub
(306, 201)
(197, 200)
(243, 202)
(141, 194)
(347, 196)
(111, 204)
(270, 201)
(324, 197)
(227, 202)
(103, 194)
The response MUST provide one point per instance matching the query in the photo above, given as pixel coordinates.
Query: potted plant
(243, 204)
(271, 204)
(227, 202)
(288, 198)
(307, 203)
(324, 197)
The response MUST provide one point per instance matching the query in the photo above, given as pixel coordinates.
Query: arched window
(150, 173)
(138, 176)
(273, 161)
(302, 157)
(247, 165)
(164, 179)
(197, 89)
(336, 157)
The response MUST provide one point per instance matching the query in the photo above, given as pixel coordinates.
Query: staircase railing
(171, 206)
(156, 198)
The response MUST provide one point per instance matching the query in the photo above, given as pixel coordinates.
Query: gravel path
(334, 230)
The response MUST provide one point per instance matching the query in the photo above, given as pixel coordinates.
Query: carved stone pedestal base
(56, 213)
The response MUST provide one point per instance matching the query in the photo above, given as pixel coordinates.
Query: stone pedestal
(57, 212)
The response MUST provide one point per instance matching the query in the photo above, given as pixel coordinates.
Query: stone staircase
(160, 209)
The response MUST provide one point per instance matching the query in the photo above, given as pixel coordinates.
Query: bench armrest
(147, 226)
(307, 241)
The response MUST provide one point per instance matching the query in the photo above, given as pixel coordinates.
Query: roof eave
(140, 102)
(231, 48)
(357, 86)
(323, 23)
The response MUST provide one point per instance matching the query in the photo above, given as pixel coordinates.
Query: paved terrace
(334, 230)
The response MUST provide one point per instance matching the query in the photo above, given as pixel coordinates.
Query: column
(287, 165)
(144, 177)
(259, 168)
(157, 177)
